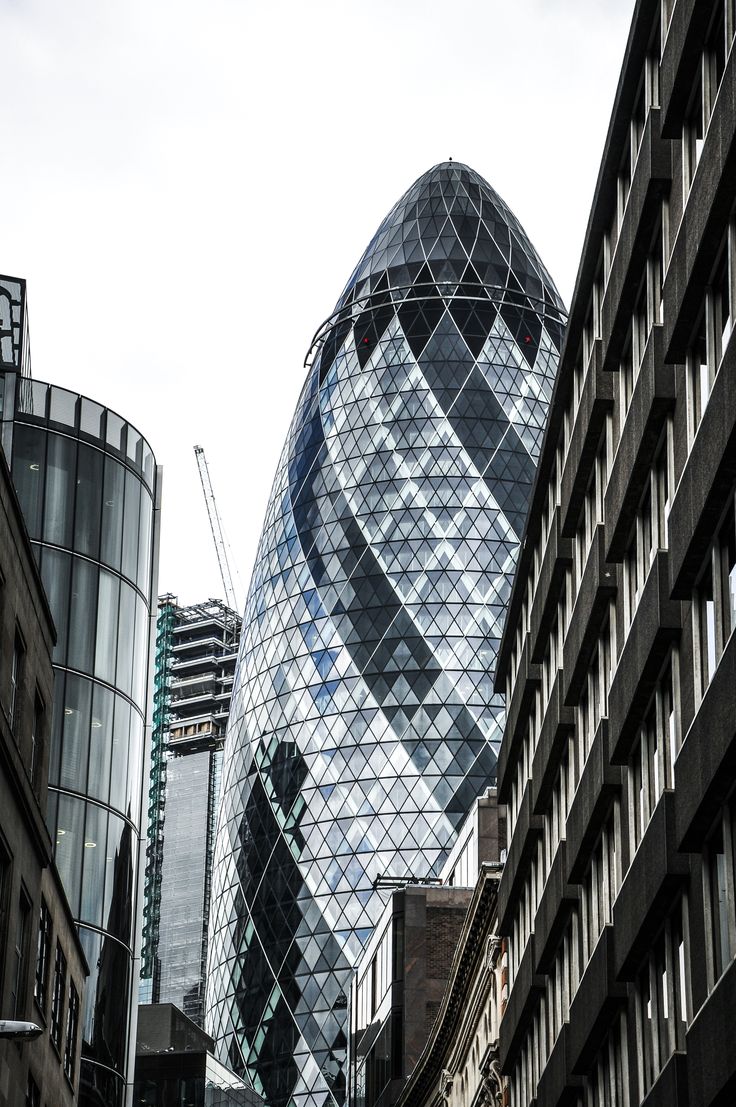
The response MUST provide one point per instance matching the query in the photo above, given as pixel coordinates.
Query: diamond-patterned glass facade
(363, 722)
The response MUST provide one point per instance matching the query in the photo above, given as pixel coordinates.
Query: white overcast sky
(186, 188)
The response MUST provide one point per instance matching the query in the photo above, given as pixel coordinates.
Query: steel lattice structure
(363, 722)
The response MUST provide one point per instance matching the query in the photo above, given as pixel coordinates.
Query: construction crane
(216, 528)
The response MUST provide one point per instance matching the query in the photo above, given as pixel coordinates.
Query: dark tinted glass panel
(107, 627)
(125, 638)
(100, 751)
(89, 501)
(120, 755)
(113, 502)
(29, 467)
(103, 1029)
(130, 525)
(94, 864)
(83, 615)
(75, 740)
(140, 664)
(56, 570)
(69, 847)
(144, 541)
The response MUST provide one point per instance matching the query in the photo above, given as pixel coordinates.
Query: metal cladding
(363, 721)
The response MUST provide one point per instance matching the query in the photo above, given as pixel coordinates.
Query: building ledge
(554, 909)
(523, 998)
(706, 763)
(653, 398)
(595, 403)
(597, 587)
(656, 624)
(558, 721)
(707, 209)
(599, 783)
(527, 680)
(651, 180)
(656, 873)
(556, 560)
(670, 1087)
(711, 1059)
(707, 479)
(596, 1001)
(522, 846)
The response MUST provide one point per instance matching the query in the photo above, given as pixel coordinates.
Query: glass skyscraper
(363, 722)
(88, 486)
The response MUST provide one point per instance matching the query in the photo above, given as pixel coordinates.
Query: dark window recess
(57, 1002)
(20, 958)
(33, 1094)
(16, 682)
(37, 742)
(72, 1026)
(43, 958)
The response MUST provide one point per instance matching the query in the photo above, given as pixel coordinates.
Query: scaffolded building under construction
(196, 651)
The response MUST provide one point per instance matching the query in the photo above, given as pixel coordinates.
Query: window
(43, 957)
(16, 679)
(714, 58)
(712, 333)
(623, 184)
(714, 607)
(6, 873)
(72, 1025)
(600, 884)
(20, 958)
(667, 8)
(638, 121)
(57, 1002)
(33, 1093)
(639, 326)
(650, 529)
(705, 607)
(37, 742)
(720, 896)
(662, 998)
(651, 765)
(693, 134)
(608, 1083)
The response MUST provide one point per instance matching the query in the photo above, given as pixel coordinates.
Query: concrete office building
(88, 486)
(618, 763)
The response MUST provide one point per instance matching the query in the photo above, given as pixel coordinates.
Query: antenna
(216, 528)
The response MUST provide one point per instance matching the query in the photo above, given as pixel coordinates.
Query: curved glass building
(363, 721)
(86, 480)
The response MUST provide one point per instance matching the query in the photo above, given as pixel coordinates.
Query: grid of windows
(376, 609)
(86, 483)
(657, 707)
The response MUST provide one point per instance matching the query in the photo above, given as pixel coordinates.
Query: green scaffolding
(165, 624)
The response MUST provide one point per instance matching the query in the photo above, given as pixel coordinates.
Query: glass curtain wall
(363, 722)
(86, 481)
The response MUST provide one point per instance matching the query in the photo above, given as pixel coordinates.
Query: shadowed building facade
(88, 487)
(363, 722)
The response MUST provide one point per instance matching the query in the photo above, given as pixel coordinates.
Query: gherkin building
(363, 722)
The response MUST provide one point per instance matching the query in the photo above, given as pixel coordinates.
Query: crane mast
(216, 528)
